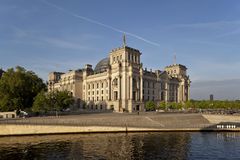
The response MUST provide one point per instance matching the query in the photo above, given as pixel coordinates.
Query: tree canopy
(52, 101)
(18, 87)
(217, 104)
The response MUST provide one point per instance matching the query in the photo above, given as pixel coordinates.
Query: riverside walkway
(143, 120)
(116, 122)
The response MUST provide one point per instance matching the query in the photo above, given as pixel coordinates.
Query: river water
(169, 145)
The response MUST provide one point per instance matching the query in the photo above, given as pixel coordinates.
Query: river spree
(169, 145)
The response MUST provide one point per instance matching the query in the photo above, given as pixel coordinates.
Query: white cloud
(209, 25)
(100, 23)
(38, 38)
(65, 44)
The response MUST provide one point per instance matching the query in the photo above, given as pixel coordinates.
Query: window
(93, 92)
(102, 85)
(97, 85)
(134, 95)
(113, 59)
(92, 86)
(102, 98)
(115, 95)
(97, 98)
(89, 86)
(102, 91)
(97, 92)
(120, 57)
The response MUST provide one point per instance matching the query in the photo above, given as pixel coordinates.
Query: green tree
(150, 106)
(172, 105)
(63, 99)
(41, 104)
(52, 101)
(162, 105)
(188, 105)
(18, 88)
(179, 106)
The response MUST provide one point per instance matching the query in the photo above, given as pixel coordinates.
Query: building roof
(102, 65)
(180, 65)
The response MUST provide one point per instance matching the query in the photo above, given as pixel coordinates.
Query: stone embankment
(222, 118)
(114, 123)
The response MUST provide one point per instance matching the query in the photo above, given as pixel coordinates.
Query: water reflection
(118, 146)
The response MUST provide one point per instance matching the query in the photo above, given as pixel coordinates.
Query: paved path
(144, 120)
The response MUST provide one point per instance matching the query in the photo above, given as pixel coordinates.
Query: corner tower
(180, 72)
(125, 78)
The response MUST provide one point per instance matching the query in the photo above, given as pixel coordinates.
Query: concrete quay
(116, 123)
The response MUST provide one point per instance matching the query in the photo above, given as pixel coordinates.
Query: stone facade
(119, 82)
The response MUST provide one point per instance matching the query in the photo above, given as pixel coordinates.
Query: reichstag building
(120, 83)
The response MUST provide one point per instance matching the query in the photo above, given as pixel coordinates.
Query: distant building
(211, 97)
(8, 115)
(120, 83)
(1, 72)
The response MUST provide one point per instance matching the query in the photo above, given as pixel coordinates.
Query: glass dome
(102, 65)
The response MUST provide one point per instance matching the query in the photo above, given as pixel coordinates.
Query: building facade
(120, 83)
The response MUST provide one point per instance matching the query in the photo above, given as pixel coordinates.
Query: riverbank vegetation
(195, 105)
(18, 87)
(52, 101)
(24, 90)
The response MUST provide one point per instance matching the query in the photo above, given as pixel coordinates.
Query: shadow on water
(98, 146)
(166, 145)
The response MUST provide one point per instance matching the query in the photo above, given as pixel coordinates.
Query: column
(166, 92)
(119, 88)
(109, 89)
(131, 88)
(141, 88)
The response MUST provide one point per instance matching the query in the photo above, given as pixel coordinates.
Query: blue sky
(53, 35)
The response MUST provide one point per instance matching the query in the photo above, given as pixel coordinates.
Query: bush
(150, 106)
